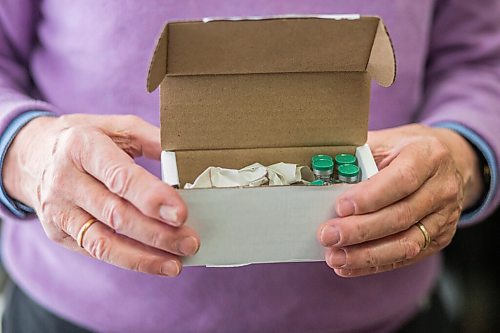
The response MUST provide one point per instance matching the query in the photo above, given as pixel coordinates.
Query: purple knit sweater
(91, 56)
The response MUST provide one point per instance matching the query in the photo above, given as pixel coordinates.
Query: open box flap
(269, 83)
(275, 45)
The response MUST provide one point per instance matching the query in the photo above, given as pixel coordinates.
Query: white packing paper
(253, 175)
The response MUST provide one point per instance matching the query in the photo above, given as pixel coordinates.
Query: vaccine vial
(341, 159)
(322, 166)
(348, 173)
(321, 157)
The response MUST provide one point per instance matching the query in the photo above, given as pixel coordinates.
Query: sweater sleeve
(18, 21)
(15, 207)
(462, 86)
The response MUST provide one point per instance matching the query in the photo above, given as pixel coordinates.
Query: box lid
(272, 82)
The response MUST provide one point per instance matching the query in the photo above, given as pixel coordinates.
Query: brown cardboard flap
(382, 63)
(191, 164)
(158, 66)
(264, 110)
(270, 84)
(273, 46)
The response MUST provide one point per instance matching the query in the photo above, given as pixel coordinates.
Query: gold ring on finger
(83, 230)
(424, 231)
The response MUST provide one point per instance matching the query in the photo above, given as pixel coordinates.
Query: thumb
(131, 133)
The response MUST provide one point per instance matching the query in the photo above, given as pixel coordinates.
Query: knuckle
(370, 259)
(411, 248)
(65, 223)
(73, 144)
(441, 242)
(137, 266)
(404, 216)
(150, 200)
(408, 175)
(50, 214)
(132, 120)
(455, 215)
(55, 226)
(451, 189)
(100, 248)
(364, 202)
(65, 119)
(361, 232)
(71, 137)
(144, 266)
(119, 179)
(457, 185)
(439, 151)
(114, 213)
(156, 240)
(68, 120)
(161, 240)
(152, 197)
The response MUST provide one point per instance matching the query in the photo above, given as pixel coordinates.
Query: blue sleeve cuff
(17, 208)
(481, 145)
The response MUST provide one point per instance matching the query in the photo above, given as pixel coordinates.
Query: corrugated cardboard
(235, 92)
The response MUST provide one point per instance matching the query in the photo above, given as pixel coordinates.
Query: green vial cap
(348, 170)
(321, 157)
(345, 159)
(322, 164)
(317, 182)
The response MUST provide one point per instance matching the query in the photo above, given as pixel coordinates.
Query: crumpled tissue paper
(253, 175)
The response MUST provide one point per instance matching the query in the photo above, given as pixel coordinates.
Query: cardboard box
(281, 89)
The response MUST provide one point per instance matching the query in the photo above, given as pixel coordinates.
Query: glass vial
(348, 173)
(341, 159)
(322, 166)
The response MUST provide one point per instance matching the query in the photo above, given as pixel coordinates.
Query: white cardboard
(169, 172)
(241, 226)
(285, 16)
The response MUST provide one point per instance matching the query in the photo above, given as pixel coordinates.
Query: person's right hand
(73, 168)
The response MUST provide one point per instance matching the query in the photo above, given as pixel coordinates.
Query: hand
(78, 167)
(427, 175)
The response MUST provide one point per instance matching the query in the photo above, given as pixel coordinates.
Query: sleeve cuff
(17, 208)
(470, 217)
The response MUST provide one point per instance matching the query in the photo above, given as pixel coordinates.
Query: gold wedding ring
(83, 230)
(424, 231)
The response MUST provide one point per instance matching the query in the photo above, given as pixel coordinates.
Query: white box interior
(241, 226)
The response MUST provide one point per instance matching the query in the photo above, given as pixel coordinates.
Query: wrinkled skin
(76, 167)
(427, 175)
(69, 173)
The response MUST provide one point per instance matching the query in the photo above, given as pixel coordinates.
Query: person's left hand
(427, 175)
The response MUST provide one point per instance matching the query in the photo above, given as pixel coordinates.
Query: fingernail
(170, 268)
(338, 258)
(345, 208)
(330, 235)
(188, 246)
(169, 214)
